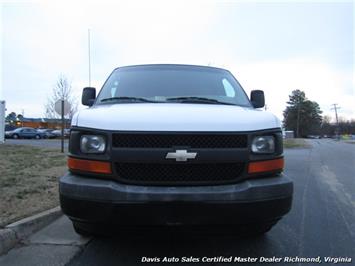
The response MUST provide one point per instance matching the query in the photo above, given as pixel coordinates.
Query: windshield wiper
(126, 98)
(192, 99)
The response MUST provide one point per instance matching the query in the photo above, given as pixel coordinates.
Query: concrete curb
(15, 232)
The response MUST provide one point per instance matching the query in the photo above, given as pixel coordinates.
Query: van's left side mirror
(88, 96)
(257, 98)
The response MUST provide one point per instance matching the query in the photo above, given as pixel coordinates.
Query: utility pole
(298, 120)
(2, 122)
(62, 115)
(335, 108)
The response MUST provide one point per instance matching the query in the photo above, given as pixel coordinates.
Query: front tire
(15, 136)
(80, 230)
(90, 230)
(257, 229)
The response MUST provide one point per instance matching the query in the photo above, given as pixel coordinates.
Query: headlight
(92, 144)
(263, 144)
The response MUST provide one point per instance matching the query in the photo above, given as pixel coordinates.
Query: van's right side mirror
(257, 98)
(88, 96)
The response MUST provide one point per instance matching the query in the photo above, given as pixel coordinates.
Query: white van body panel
(174, 117)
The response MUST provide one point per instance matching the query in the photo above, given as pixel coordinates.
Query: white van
(174, 145)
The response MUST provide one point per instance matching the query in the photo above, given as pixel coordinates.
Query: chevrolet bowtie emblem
(181, 155)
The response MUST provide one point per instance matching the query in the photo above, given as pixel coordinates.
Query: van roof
(172, 66)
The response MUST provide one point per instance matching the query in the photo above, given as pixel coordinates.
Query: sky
(275, 46)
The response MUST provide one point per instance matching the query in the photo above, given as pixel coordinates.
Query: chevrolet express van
(174, 145)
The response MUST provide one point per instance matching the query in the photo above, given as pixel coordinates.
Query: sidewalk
(55, 244)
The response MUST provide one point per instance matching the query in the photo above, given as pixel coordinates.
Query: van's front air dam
(105, 201)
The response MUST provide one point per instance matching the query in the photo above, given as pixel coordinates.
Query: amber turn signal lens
(98, 167)
(266, 166)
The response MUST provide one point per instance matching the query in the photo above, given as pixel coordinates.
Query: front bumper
(104, 201)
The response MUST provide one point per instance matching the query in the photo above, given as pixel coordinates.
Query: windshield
(172, 84)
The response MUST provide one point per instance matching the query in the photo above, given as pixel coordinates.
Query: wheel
(81, 231)
(88, 230)
(37, 137)
(15, 136)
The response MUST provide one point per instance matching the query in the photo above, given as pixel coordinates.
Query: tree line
(304, 118)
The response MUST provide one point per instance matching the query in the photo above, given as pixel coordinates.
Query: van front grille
(179, 173)
(168, 140)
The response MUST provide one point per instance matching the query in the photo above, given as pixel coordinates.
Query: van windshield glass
(182, 84)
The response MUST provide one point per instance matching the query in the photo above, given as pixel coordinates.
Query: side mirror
(257, 98)
(88, 96)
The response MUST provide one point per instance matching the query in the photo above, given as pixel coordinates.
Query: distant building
(39, 123)
(289, 134)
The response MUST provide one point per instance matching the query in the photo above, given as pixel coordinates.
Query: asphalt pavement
(321, 223)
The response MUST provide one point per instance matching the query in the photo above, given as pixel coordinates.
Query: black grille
(179, 174)
(171, 140)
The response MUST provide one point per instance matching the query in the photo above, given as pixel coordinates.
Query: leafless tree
(61, 90)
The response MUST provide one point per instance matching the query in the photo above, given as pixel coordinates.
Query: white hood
(174, 117)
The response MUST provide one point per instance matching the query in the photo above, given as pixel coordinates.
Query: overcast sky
(273, 46)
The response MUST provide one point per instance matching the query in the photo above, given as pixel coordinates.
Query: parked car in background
(48, 133)
(24, 133)
(314, 137)
(58, 133)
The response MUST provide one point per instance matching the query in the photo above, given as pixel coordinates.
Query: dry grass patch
(28, 180)
(296, 143)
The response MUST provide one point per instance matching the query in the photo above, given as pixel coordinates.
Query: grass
(295, 143)
(28, 180)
